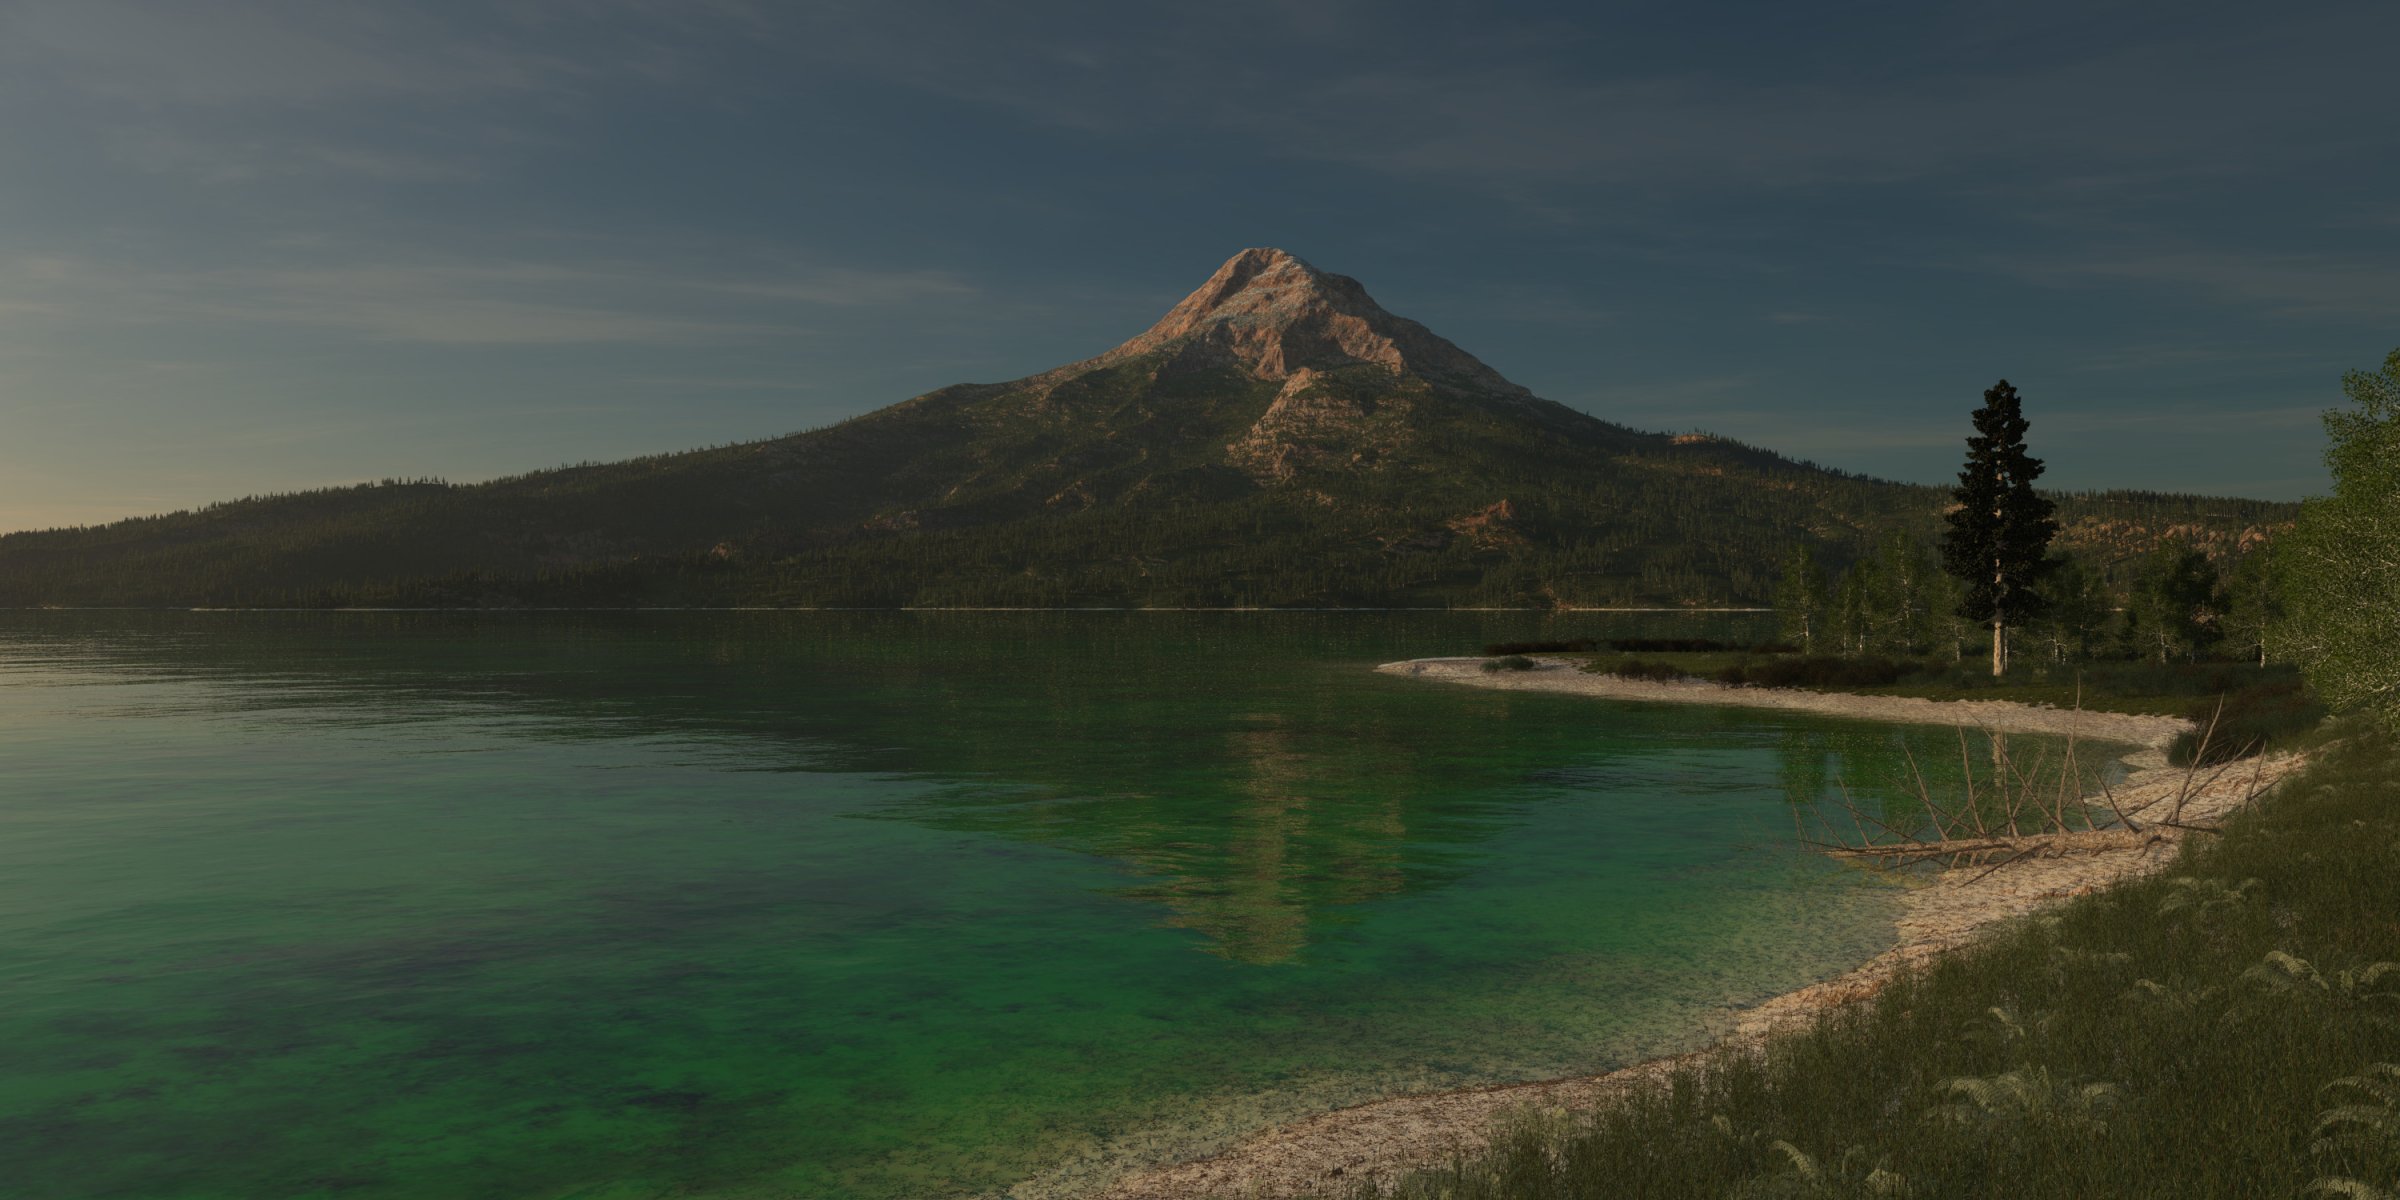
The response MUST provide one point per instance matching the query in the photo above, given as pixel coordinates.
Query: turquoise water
(753, 904)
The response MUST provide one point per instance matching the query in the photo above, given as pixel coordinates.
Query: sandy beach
(1999, 716)
(1385, 1139)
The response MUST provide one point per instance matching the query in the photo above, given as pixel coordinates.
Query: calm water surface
(750, 904)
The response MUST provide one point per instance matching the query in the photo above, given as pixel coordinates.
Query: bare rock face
(1267, 313)
(1353, 383)
(1313, 424)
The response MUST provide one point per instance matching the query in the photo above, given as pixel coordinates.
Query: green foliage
(1113, 488)
(1907, 594)
(2344, 557)
(2003, 1104)
(1851, 619)
(2254, 602)
(1510, 662)
(2365, 1132)
(2246, 721)
(1801, 596)
(2167, 1037)
(1817, 671)
(1998, 543)
(1891, 601)
(2179, 603)
(1636, 668)
(1574, 646)
(1803, 1177)
(2077, 623)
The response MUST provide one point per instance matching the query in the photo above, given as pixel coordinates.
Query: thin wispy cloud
(256, 160)
(471, 304)
(258, 51)
(2291, 285)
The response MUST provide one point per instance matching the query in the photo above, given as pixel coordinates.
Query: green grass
(2271, 713)
(1703, 664)
(2148, 688)
(2179, 1036)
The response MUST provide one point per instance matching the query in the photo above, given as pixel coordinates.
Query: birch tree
(2344, 558)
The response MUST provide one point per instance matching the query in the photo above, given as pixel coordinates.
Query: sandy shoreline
(1384, 1139)
(2002, 716)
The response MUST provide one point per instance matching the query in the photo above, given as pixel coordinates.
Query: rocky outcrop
(1491, 528)
(1317, 422)
(1270, 315)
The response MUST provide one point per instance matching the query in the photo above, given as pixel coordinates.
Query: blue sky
(250, 246)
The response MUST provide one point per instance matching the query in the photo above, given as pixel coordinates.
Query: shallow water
(893, 905)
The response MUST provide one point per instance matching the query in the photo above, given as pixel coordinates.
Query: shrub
(1512, 662)
(1818, 671)
(1660, 672)
(2249, 722)
(1692, 646)
(1579, 646)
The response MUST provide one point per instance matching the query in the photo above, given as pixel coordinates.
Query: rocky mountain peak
(1271, 314)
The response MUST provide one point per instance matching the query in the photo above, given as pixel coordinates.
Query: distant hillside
(1277, 439)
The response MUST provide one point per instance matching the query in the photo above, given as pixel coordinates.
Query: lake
(847, 905)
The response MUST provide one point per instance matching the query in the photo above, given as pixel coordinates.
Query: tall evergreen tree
(1999, 539)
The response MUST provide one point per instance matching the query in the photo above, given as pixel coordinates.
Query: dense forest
(1277, 440)
(940, 502)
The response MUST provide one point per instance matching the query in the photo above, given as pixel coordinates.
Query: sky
(249, 246)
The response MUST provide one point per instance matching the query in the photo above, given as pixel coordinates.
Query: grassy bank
(2186, 1035)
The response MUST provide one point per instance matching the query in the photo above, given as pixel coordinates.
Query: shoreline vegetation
(1380, 1146)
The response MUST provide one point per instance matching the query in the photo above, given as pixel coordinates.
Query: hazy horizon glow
(283, 245)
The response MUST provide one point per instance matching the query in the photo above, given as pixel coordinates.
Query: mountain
(1277, 438)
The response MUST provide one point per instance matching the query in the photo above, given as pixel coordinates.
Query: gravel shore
(1384, 1139)
(2000, 716)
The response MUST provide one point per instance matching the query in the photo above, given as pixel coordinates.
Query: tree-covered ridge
(910, 513)
(1278, 439)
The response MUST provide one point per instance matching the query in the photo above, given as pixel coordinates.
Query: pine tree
(1999, 538)
(2180, 600)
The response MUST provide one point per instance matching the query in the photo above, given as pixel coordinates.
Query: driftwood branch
(2015, 814)
(2034, 845)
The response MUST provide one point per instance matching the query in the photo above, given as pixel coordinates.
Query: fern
(2029, 1096)
(2205, 898)
(2288, 975)
(1804, 1178)
(2368, 1128)
(2353, 1188)
(2186, 1002)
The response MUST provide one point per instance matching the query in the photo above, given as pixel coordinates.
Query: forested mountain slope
(1276, 439)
